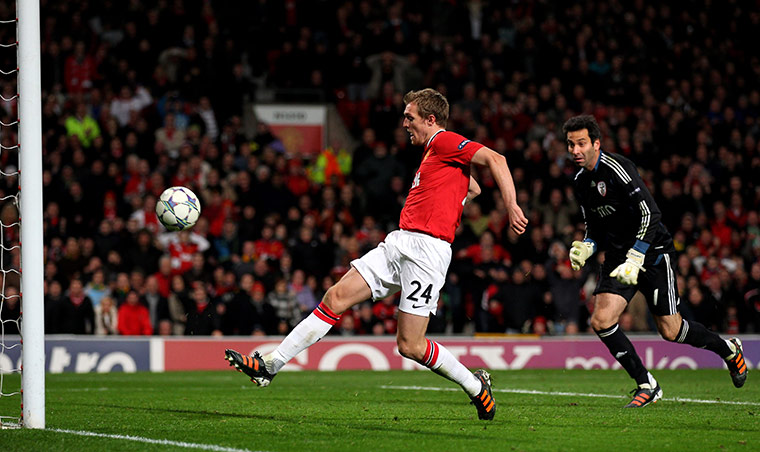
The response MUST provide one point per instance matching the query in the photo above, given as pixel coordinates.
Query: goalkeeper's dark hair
(430, 102)
(583, 122)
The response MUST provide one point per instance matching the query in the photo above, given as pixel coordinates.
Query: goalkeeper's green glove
(628, 271)
(580, 251)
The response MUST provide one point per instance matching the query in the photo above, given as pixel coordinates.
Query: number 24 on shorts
(426, 294)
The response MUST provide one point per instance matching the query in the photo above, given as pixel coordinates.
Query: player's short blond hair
(430, 102)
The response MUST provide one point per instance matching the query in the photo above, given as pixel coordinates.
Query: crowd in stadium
(139, 97)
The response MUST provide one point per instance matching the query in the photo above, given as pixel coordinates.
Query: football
(178, 208)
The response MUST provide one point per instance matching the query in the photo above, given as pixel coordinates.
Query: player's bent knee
(334, 300)
(669, 334)
(669, 327)
(598, 323)
(410, 350)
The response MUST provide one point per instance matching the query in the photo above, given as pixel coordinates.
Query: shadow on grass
(396, 423)
(204, 413)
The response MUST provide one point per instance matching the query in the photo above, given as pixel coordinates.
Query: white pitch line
(77, 389)
(163, 442)
(186, 388)
(572, 394)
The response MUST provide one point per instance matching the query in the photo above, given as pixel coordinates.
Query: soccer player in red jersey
(414, 259)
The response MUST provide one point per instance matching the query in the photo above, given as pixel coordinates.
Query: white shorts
(412, 262)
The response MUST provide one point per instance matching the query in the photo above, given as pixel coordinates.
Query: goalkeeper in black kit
(623, 220)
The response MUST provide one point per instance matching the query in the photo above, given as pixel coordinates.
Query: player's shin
(308, 332)
(622, 349)
(697, 335)
(438, 359)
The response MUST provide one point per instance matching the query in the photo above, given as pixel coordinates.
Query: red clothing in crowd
(134, 320)
(722, 231)
(79, 73)
(217, 215)
(388, 314)
(164, 284)
(475, 253)
(269, 249)
(182, 256)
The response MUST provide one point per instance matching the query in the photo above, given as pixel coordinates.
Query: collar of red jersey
(430, 140)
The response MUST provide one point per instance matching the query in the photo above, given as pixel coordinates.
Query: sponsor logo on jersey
(603, 211)
(463, 144)
(593, 183)
(416, 181)
(602, 187)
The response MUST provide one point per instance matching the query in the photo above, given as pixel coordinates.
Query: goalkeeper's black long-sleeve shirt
(619, 210)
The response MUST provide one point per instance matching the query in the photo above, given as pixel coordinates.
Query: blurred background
(140, 96)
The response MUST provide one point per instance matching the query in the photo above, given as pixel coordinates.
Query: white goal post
(30, 206)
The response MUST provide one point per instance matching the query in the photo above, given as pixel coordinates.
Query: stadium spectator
(96, 289)
(268, 247)
(366, 321)
(53, 304)
(227, 247)
(285, 306)
(520, 301)
(82, 125)
(208, 118)
(177, 303)
(106, 317)
(158, 306)
(80, 70)
(71, 262)
(133, 317)
(386, 311)
(346, 325)
(202, 317)
(238, 318)
(129, 103)
(308, 253)
(304, 292)
(75, 313)
(182, 246)
(266, 321)
(376, 172)
(565, 287)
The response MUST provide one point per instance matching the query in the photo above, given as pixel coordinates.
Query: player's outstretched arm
(500, 170)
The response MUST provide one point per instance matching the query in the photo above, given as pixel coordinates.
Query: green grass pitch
(538, 410)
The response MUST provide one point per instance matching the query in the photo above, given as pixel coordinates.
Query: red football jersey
(436, 199)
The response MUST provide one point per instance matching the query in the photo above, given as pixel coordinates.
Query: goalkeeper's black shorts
(657, 283)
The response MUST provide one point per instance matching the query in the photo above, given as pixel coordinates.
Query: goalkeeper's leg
(607, 310)
(660, 288)
(674, 328)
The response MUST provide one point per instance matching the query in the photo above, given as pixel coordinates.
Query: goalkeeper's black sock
(697, 335)
(622, 349)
